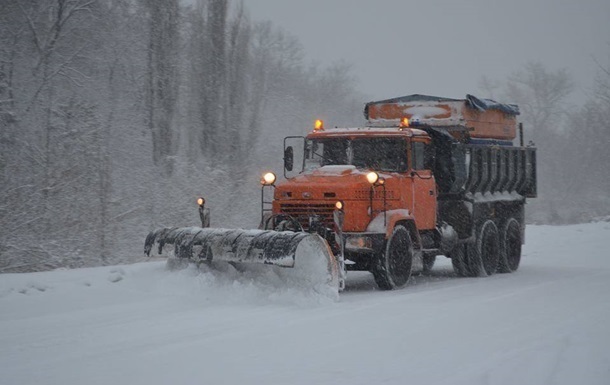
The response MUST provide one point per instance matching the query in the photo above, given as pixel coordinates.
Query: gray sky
(443, 47)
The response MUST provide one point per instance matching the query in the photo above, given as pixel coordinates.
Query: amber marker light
(318, 125)
(404, 122)
(268, 179)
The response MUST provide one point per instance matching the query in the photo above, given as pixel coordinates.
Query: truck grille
(302, 212)
(378, 194)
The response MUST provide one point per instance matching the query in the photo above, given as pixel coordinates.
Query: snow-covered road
(548, 323)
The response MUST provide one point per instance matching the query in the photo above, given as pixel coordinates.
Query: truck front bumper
(362, 249)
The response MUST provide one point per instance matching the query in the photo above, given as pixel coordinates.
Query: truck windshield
(380, 154)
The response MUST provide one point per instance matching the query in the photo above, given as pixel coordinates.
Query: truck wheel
(483, 255)
(458, 259)
(429, 263)
(510, 246)
(394, 265)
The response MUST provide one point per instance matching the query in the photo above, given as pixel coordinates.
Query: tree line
(115, 115)
(572, 137)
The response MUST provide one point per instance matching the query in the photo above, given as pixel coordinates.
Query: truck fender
(385, 223)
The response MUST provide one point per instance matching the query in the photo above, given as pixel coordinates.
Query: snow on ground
(140, 324)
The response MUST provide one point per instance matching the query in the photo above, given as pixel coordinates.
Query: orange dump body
(482, 123)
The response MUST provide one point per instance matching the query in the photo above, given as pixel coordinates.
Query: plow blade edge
(279, 248)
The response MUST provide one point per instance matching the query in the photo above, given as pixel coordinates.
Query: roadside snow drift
(142, 324)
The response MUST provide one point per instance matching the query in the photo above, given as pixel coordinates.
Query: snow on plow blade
(305, 252)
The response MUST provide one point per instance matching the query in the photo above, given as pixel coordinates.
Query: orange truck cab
(412, 184)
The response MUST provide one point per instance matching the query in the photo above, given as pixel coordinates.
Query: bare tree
(238, 62)
(541, 95)
(91, 98)
(542, 98)
(43, 55)
(213, 100)
(162, 90)
(489, 87)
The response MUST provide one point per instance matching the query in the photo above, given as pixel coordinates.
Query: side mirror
(288, 158)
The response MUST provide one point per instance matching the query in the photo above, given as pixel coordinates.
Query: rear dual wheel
(393, 268)
(478, 259)
(510, 246)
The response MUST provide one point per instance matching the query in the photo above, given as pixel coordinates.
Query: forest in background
(116, 114)
(573, 140)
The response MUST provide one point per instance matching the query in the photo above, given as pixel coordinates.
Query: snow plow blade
(303, 251)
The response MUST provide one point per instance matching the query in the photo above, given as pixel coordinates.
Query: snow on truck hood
(339, 175)
(336, 170)
(333, 174)
(337, 178)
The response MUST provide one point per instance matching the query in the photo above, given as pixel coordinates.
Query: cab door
(423, 186)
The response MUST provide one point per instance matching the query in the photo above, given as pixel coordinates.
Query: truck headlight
(268, 179)
(372, 177)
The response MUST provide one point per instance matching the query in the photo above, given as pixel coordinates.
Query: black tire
(510, 246)
(484, 254)
(459, 260)
(393, 268)
(428, 263)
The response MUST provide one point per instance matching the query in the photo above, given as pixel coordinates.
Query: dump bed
(500, 169)
(482, 118)
(485, 168)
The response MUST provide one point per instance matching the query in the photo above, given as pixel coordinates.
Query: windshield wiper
(328, 162)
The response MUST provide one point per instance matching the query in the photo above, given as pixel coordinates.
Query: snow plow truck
(426, 176)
